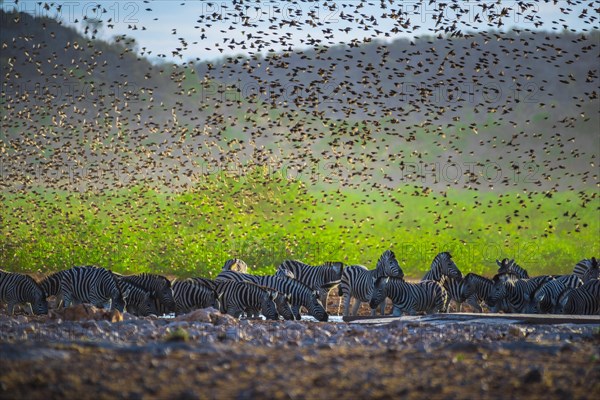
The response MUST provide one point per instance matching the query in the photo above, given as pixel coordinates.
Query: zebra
(478, 286)
(16, 288)
(593, 272)
(442, 264)
(236, 297)
(158, 284)
(583, 267)
(426, 296)
(190, 295)
(584, 300)
(454, 289)
(510, 267)
(299, 294)
(206, 282)
(282, 301)
(322, 277)
(138, 301)
(516, 291)
(50, 284)
(235, 264)
(544, 298)
(357, 281)
(94, 285)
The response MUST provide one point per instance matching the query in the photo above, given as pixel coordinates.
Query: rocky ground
(94, 354)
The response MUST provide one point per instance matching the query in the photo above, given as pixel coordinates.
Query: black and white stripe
(93, 285)
(138, 301)
(322, 277)
(517, 292)
(510, 267)
(583, 267)
(478, 286)
(17, 289)
(157, 284)
(409, 298)
(237, 297)
(235, 264)
(585, 300)
(454, 290)
(50, 284)
(545, 298)
(299, 294)
(441, 265)
(190, 295)
(357, 281)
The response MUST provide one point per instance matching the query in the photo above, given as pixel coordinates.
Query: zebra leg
(474, 303)
(396, 312)
(296, 312)
(356, 306)
(347, 299)
(11, 308)
(382, 307)
(459, 307)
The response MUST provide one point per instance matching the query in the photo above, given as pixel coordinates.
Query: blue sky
(213, 29)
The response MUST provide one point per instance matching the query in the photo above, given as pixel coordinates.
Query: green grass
(264, 219)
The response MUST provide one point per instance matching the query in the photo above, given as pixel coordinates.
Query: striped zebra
(410, 298)
(206, 282)
(517, 292)
(585, 300)
(138, 301)
(545, 298)
(322, 277)
(442, 264)
(93, 285)
(454, 290)
(478, 286)
(357, 281)
(157, 284)
(237, 297)
(50, 284)
(586, 269)
(17, 289)
(190, 296)
(511, 268)
(299, 294)
(235, 264)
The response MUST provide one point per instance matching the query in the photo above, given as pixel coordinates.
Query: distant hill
(370, 114)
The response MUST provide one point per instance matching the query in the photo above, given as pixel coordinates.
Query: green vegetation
(265, 219)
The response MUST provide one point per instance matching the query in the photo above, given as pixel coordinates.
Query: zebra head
(468, 287)
(388, 265)
(315, 307)
(268, 307)
(39, 305)
(282, 301)
(562, 301)
(283, 273)
(444, 265)
(498, 292)
(379, 293)
(235, 264)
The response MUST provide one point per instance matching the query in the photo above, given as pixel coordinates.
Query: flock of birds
(82, 113)
(297, 287)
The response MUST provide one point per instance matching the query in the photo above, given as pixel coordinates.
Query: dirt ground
(296, 360)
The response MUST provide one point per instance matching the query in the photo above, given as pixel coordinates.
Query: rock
(532, 376)
(86, 312)
(203, 315)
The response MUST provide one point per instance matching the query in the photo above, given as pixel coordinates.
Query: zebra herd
(297, 287)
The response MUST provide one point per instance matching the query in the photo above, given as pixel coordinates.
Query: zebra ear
(126, 293)
(498, 262)
(272, 295)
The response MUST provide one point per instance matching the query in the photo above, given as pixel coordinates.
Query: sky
(181, 31)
